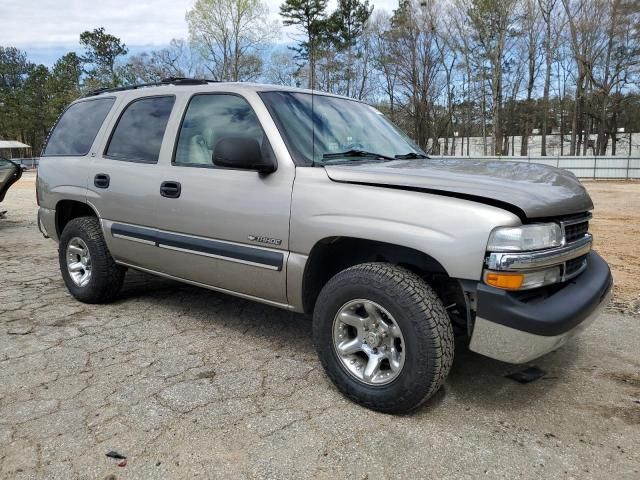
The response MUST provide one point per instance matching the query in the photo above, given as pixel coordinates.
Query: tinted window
(210, 118)
(138, 134)
(77, 128)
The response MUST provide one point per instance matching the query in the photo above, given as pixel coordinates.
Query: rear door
(123, 179)
(226, 228)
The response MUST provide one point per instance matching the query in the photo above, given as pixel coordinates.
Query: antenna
(313, 126)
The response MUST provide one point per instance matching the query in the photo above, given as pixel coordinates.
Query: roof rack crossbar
(164, 81)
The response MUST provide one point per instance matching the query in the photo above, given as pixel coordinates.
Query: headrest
(209, 136)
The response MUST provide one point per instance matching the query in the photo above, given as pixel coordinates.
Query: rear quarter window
(77, 128)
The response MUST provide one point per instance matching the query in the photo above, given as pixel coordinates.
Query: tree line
(443, 70)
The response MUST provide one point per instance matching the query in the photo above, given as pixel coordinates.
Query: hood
(530, 190)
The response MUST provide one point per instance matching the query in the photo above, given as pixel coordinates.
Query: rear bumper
(47, 223)
(513, 331)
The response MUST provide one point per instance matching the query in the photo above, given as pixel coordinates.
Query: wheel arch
(334, 254)
(67, 210)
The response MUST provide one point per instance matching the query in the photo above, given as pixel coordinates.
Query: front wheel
(383, 337)
(88, 270)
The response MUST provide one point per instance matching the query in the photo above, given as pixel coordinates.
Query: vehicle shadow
(211, 307)
(475, 382)
(480, 382)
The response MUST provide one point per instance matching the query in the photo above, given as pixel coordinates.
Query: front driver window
(210, 118)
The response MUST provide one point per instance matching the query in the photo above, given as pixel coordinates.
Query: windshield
(358, 130)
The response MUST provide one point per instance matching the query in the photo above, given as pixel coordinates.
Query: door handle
(170, 189)
(101, 180)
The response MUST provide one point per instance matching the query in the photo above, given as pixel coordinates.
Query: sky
(47, 29)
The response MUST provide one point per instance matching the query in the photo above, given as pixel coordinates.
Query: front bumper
(516, 331)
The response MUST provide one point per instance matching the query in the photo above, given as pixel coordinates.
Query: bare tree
(445, 42)
(547, 9)
(283, 69)
(531, 24)
(231, 35)
(472, 74)
(176, 60)
(415, 50)
(384, 61)
(586, 40)
(620, 58)
(493, 23)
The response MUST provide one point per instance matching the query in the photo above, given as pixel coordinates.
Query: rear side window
(77, 128)
(138, 134)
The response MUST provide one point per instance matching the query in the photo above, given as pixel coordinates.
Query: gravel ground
(616, 229)
(186, 382)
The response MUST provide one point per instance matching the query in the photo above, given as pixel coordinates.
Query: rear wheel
(88, 270)
(383, 336)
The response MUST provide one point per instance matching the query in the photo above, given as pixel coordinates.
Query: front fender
(452, 231)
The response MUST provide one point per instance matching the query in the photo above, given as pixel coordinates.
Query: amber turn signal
(508, 281)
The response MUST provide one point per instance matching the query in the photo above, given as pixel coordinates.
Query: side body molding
(233, 252)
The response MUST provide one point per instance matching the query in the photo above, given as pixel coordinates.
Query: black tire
(425, 325)
(106, 276)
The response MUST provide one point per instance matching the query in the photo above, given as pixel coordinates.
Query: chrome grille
(575, 231)
(575, 228)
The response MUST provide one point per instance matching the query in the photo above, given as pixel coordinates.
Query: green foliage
(347, 22)
(306, 14)
(102, 50)
(32, 96)
(310, 16)
(15, 71)
(64, 81)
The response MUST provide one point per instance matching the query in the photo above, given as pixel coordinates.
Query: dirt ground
(188, 383)
(616, 231)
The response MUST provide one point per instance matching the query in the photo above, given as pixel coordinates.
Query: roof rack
(164, 81)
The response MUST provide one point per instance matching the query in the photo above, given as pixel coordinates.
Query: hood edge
(446, 193)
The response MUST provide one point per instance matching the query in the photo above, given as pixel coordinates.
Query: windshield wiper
(411, 155)
(356, 153)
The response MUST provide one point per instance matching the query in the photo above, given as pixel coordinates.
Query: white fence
(627, 168)
(627, 145)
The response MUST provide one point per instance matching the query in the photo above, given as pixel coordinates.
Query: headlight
(522, 280)
(525, 238)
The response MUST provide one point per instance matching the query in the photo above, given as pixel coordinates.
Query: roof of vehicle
(181, 84)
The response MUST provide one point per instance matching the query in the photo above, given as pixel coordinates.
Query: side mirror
(243, 153)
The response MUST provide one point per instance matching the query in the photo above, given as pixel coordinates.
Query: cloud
(55, 24)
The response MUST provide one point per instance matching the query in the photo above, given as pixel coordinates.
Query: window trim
(115, 127)
(46, 142)
(212, 166)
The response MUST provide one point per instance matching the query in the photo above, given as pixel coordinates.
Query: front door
(221, 227)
